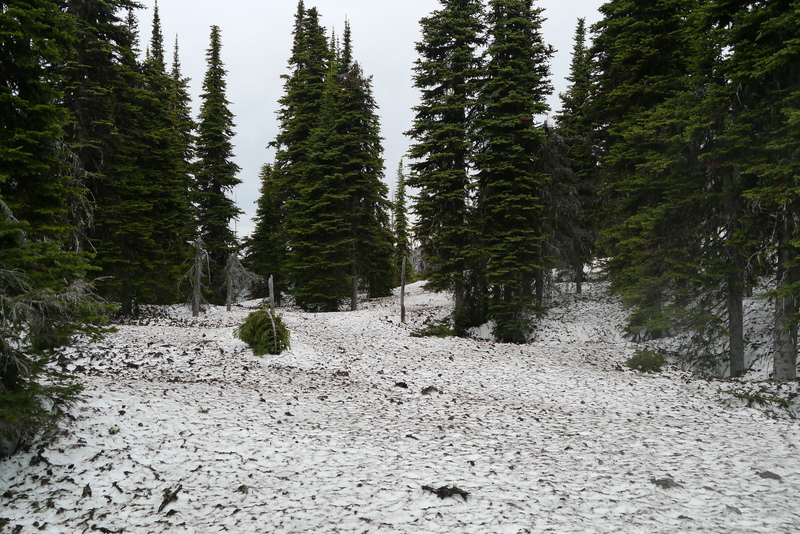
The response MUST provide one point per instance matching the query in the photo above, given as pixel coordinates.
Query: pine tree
(300, 112)
(216, 171)
(319, 238)
(763, 65)
(677, 251)
(328, 207)
(266, 247)
(180, 108)
(167, 163)
(362, 167)
(142, 216)
(43, 297)
(448, 72)
(87, 80)
(575, 130)
(641, 62)
(511, 176)
(402, 239)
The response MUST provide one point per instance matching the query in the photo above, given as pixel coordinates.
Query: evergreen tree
(142, 216)
(763, 65)
(167, 162)
(216, 171)
(343, 242)
(402, 239)
(362, 168)
(328, 207)
(511, 176)
(300, 112)
(87, 80)
(319, 238)
(448, 72)
(677, 254)
(266, 247)
(575, 130)
(43, 299)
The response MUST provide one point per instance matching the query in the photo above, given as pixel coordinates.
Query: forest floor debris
(554, 436)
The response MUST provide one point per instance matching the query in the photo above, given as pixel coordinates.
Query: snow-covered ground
(184, 430)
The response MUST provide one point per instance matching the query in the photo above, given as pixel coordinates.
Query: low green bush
(645, 361)
(264, 332)
(441, 329)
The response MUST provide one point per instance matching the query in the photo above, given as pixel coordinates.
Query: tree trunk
(734, 280)
(354, 293)
(403, 292)
(785, 333)
(198, 274)
(539, 280)
(458, 301)
(271, 285)
(229, 292)
(735, 325)
(578, 278)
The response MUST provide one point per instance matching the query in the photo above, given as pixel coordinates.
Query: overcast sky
(256, 43)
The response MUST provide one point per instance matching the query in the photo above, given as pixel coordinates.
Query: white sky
(256, 42)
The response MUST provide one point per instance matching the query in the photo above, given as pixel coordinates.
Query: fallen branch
(170, 496)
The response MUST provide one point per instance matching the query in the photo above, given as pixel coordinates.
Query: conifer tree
(764, 133)
(142, 216)
(677, 254)
(319, 239)
(329, 207)
(448, 72)
(575, 131)
(167, 162)
(402, 239)
(88, 77)
(180, 108)
(43, 297)
(362, 167)
(266, 247)
(216, 172)
(511, 176)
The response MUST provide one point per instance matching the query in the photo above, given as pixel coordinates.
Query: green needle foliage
(448, 73)
(511, 177)
(215, 172)
(265, 332)
(44, 298)
(324, 212)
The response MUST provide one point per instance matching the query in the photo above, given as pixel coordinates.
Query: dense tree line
(674, 159)
(322, 227)
(104, 183)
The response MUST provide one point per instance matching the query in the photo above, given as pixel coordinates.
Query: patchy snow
(184, 430)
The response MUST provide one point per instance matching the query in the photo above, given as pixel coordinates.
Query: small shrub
(645, 361)
(441, 329)
(264, 332)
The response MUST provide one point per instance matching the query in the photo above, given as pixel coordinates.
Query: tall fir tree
(87, 81)
(575, 130)
(400, 223)
(676, 250)
(216, 171)
(266, 246)
(763, 65)
(43, 297)
(448, 73)
(328, 207)
(511, 177)
(142, 214)
(363, 169)
(299, 113)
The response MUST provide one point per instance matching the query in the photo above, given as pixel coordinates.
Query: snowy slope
(337, 436)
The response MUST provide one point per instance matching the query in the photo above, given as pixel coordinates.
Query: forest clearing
(360, 427)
